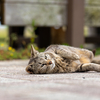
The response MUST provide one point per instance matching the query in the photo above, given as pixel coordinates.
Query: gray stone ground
(16, 84)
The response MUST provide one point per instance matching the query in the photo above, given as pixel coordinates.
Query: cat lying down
(61, 59)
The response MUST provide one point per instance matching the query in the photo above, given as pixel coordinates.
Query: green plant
(81, 46)
(97, 51)
(32, 31)
(65, 44)
(11, 53)
(13, 37)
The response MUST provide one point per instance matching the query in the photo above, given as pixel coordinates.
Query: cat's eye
(31, 65)
(42, 65)
(45, 57)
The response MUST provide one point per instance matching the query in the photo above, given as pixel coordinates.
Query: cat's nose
(49, 62)
(29, 70)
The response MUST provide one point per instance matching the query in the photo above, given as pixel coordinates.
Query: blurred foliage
(92, 15)
(65, 44)
(81, 46)
(32, 30)
(97, 51)
(13, 37)
(11, 53)
(4, 39)
(93, 2)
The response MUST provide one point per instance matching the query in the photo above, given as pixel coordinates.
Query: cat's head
(40, 63)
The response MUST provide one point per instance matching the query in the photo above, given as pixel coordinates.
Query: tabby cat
(61, 59)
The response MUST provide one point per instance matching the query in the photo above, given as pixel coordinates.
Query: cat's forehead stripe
(32, 60)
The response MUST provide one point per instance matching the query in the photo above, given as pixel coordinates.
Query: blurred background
(44, 22)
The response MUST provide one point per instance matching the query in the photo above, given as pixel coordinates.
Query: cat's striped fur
(61, 59)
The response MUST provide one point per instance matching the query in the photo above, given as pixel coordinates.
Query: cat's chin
(51, 67)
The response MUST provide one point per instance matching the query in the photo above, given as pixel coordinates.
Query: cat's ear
(33, 52)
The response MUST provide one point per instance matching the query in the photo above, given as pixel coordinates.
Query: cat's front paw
(75, 57)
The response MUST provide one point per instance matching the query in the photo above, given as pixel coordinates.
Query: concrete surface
(16, 84)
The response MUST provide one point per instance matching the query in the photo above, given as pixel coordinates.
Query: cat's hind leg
(67, 54)
(89, 67)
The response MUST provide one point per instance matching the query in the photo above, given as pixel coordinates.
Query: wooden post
(2, 11)
(74, 35)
